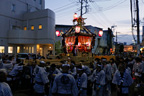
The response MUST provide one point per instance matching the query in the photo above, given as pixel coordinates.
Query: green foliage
(58, 47)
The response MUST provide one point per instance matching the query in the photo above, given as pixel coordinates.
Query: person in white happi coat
(96, 61)
(137, 71)
(73, 70)
(7, 65)
(41, 80)
(64, 83)
(123, 81)
(5, 89)
(113, 66)
(108, 74)
(86, 69)
(53, 71)
(127, 67)
(98, 79)
(82, 81)
(16, 69)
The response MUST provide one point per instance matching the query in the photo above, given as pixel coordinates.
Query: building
(106, 42)
(130, 48)
(26, 27)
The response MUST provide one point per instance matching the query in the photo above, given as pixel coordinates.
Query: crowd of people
(99, 78)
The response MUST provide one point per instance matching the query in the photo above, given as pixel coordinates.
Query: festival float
(78, 39)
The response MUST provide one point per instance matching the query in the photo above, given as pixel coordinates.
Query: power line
(64, 6)
(115, 5)
(102, 14)
(97, 14)
(97, 20)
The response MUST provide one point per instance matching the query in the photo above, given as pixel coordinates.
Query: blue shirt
(126, 80)
(65, 84)
(5, 89)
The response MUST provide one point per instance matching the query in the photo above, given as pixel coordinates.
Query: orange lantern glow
(77, 29)
(57, 33)
(100, 33)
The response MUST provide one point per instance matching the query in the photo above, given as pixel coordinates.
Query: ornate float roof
(83, 32)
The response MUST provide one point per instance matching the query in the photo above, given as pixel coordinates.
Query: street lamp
(116, 36)
(113, 27)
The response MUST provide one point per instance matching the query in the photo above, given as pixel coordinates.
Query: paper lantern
(100, 33)
(57, 33)
(77, 29)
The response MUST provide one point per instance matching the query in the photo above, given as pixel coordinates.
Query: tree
(58, 47)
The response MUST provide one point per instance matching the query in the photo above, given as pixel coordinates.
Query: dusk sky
(102, 13)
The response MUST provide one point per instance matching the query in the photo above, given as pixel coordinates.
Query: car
(26, 56)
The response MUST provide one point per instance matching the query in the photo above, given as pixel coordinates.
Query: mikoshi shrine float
(78, 38)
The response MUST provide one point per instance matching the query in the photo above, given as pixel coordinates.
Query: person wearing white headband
(108, 73)
(123, 80)
(73, 69)
(41, 80)
(81, 81)
(98, 79)
(64, 83)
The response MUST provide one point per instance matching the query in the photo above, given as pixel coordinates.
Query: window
(25, 28)
(10, 49)
(40, 27)
(32, 49)
(2, 49)
(13, 8)
(18, 49)
(32, 27)
(40, 2)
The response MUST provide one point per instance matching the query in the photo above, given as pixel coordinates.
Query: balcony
(18, 36)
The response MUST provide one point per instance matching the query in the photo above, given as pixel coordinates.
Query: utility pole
(81, 7)
(138, 37)
(86, 6)
(116, 36)
(138, 29)
(132, 19)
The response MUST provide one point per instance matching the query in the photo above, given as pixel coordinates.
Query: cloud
(127, 38)
(127, 22)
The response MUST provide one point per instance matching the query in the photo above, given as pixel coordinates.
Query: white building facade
(26, 27)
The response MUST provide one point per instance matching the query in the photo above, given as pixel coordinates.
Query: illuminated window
(40, 27)
(32, 49)
(25, 28)
(2, 49)
(18, 49)
(32, 27)
(10, 49)
(26, 49)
